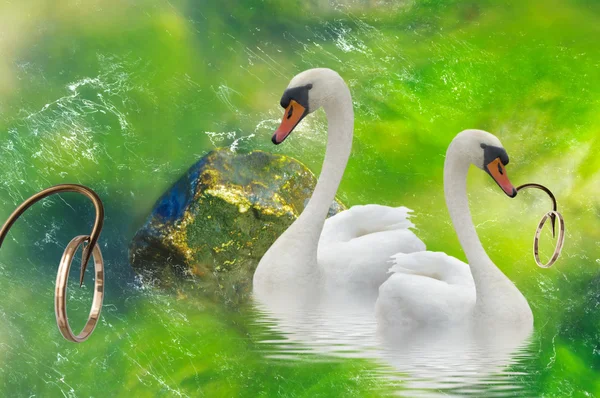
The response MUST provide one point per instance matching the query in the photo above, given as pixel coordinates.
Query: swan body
(425, 288)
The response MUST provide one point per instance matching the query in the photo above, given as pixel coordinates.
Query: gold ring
(60, 293)
(559, 243)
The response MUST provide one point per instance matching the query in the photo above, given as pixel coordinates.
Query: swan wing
(356, 245)
(363, 220)
(425, 288)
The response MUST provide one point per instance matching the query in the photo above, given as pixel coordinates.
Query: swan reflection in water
(458, 360)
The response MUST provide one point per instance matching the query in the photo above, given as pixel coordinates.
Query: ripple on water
(466, 368)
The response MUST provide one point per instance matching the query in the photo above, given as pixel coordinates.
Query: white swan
(432, 289)
(355, 245)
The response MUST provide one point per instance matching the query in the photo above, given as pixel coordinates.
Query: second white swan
(431, 288)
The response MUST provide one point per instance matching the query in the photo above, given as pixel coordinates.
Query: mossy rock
(208, 232)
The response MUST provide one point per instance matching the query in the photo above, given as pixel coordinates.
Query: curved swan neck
(455, 192)
(340, 118)
(498, 298)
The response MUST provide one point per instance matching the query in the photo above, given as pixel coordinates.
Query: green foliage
(120, 96)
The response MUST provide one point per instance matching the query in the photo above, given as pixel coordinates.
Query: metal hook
(92, 239)
(554, 206)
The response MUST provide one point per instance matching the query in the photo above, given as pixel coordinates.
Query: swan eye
(291, 111)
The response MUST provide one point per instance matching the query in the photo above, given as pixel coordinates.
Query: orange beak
(294, 113)
(497, 171)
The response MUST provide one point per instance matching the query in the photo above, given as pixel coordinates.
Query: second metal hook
(92, 239)
(551, 195)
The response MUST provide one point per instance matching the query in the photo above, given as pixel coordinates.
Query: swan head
(307, 92)
(485, 151)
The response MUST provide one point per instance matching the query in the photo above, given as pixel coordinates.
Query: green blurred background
(123, 96)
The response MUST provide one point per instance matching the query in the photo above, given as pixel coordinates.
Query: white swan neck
(296, 248)
(455, 192)
(340, 117)
(497, 297)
